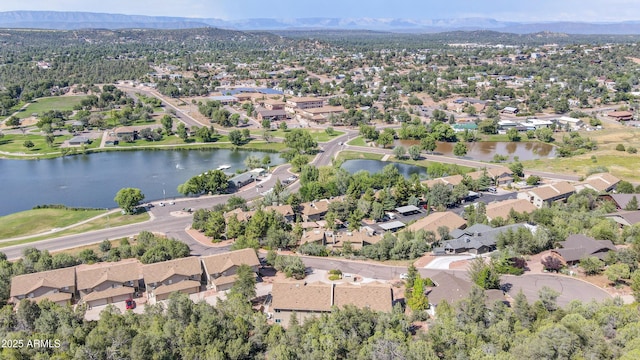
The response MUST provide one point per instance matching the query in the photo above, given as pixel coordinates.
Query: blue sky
(516, 10)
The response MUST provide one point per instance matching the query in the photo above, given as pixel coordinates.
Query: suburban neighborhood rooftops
(298, 296)
(55, 279)
(548, 192)
(377, 297)
(579, 246)
(111, 292)
(502, 209)
(158, 272)
(453, 288)
(90, 276)
(434, 220)
(216, 264)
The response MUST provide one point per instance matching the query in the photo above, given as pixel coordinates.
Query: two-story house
(58, 286)
(220, 269)
(107, 283)
(163, 278)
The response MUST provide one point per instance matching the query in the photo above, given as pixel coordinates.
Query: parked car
(172, 203)
(160, 204)
(404, 276)
(130, 304)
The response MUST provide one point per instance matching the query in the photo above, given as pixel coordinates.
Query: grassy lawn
(14, 143)
(359, 141)
(40, 220)
(50, 103)
(619, 163)
(353, 155)
(166, 140)
(112, 220)
(316, 134)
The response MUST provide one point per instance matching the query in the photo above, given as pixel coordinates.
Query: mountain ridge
(73, 20)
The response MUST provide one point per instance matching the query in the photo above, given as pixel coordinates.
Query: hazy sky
(516, 10)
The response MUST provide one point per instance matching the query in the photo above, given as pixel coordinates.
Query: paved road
(163, 221)
(569, 288)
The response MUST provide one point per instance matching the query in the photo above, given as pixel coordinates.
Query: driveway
(443, 262)
(569, 288)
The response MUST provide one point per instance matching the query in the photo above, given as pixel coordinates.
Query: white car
(404, 276)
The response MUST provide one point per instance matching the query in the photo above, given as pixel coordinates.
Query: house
(111, 140)
(579, 246)
(271, 104)
(569, 121)
(621, 200)
(408, 210)
(625, 218)
(220, 269)
(79, 140)
(502, 209)
(178, 275)
(302, 103)
(477, 239)
(241, 180)
(435, 220)
(510, 110)
(537, 123)
(315, 210)
(285, 210)
(273, 115)
(548, 194)
(58, 286)
(450, 181)
(107, 283)
(241, 215)
(498, 175)
(451, 288)
(309, 300)
(316, 236)
(357, 239)
(621, 115)
(126, 132)
(601, 182)
(466, 126)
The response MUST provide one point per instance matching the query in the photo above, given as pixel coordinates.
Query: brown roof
(182, 285)
(57, 297)
(602, 182)
(554, 190)
(432, 182)
(377, 297)
(629, 217)
(91, 276)
(158, 272)
(621, 114)
(324, 110)
(312, 236)
(239, 214)
(111, 292)
(285, 210)
(318, 296)
(298, 296)
(434, 220)
(452, 289)
(622, 200)
(297, 100)
(579, 246)
(315, 207)
(216, 264)
(357, 237)
(55, 279)
(503, 208)
(491, 172)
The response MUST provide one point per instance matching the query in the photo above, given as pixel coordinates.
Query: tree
(28, 144)
(182, 131)
(460, 149)
(167, 123)
(617, 272)
(292, 266)
(551, 263)
(266, 124)
(625, 187)
(428, 143)
(235, 137)
(414, 152)
(591, 265)
(517, 168)
(484, 275)
(385, 138)
(632, 204)
(399, 152)
(418, 300)
(13, 121)
(282, 126)
(513, 135)
(635, 285)
(245, 285)
(300, 140)
(128, 199)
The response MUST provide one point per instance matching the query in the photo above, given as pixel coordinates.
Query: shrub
(620, 147)
(335, 272)
(334, 277)
(632, 150)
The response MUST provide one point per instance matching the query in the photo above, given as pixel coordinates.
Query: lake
(485, 150)
(93, 180)
(375, 166)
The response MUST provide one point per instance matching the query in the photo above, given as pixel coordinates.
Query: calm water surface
(375, 166)
(93, 180)
(484, 151)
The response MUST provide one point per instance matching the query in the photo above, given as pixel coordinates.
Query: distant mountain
(84, 20)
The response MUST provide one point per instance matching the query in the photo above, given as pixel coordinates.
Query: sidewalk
(56, 230)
